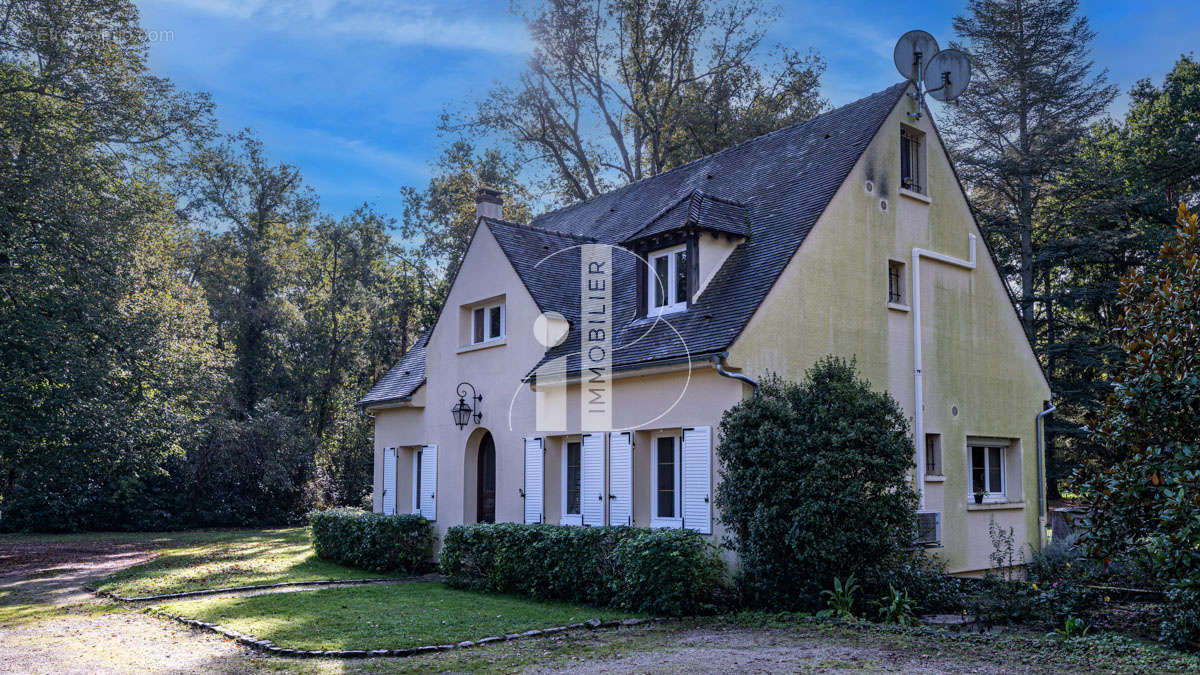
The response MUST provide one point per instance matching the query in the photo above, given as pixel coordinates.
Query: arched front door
(485, 497)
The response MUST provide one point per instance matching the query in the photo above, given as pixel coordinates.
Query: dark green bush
(373, 541)
(664, 572)
(925, 580)
(813, 484)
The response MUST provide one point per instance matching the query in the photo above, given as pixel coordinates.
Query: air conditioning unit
(929, 528)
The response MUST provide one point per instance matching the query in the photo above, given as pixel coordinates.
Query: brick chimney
(489, 203)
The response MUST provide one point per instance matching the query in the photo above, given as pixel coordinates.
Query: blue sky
(350, 90)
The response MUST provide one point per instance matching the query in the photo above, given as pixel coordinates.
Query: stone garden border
(268, 647)
(263, 587)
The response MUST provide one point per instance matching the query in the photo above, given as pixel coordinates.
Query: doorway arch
(485, 480)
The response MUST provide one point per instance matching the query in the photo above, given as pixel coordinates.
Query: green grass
(207, 560)
(382, 617)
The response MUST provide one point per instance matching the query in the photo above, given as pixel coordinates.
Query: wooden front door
(485, 497)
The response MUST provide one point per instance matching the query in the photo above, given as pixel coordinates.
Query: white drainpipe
(918, 387)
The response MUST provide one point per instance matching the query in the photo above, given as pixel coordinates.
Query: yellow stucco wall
(832, 299)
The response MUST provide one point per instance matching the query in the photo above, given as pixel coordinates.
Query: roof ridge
(544, 230)
(724, 150)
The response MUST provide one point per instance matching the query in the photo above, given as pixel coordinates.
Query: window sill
(995, 506)
(499, 342)
(668, 309)
(898, 307)
(666, 523)
(577, 521)
(936, 478)
(915, 196)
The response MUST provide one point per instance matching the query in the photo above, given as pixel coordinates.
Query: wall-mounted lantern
(464, 412)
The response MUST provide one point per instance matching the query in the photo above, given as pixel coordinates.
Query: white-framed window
(572, 482)
(487, 323)
(416, 481)
(666, 287)
(988, 470)
(665, 502)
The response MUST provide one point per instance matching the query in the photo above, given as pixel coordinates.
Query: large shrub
(813, 484)
(1147, 500)
(659, 571)
(373, 541)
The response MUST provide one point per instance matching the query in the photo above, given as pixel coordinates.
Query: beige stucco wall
(832, 299)
(642, 401)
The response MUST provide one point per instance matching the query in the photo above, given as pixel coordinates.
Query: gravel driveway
(58, 627)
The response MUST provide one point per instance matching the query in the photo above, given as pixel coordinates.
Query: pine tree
(1032, 96)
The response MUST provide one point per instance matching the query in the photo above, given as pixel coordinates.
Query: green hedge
(373, 541)
(666, 572)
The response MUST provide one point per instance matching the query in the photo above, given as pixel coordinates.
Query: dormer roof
(696, 211)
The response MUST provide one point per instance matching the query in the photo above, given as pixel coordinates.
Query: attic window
(912, 169)
(667, 290)
(487, 323)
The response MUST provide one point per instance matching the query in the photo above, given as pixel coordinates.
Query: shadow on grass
(241, 558)
(383, 617)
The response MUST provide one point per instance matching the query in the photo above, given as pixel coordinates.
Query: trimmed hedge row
(665, 572)
(372, 541)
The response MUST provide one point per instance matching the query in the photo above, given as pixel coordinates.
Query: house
(590, 353)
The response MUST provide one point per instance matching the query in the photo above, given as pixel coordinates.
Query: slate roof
(698, 210)
(403, 379)
(778, 183)
(547, 262)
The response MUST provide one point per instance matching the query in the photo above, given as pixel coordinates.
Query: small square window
(896, 282)
(487, 323)
(933, 454)
(987, 471)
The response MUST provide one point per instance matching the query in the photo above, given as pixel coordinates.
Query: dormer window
(668, 288)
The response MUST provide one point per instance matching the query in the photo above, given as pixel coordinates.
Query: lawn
(232, 558)
(382, 616)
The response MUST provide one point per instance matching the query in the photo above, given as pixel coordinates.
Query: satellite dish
(947, 74)
(913, 53)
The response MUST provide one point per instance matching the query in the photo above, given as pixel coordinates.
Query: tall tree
(441, 218)
(1032, 96)
(362, 301)
(105, 351)
(1112, 206)
(617, 90)
(261, 212)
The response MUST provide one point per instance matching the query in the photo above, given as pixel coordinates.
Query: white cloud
(407, 24)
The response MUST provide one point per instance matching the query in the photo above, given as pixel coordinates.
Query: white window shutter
(389, 481)
(535, 480)
(591, 492)
(620, 456)
(429, 482)
(697, 479)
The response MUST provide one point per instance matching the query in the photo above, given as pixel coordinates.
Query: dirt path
(51, 624)
(743, 650)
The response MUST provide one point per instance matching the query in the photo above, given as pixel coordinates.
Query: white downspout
(1039, 430)
(918, 386)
